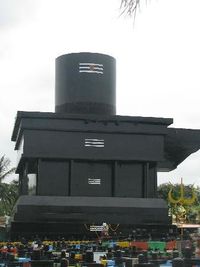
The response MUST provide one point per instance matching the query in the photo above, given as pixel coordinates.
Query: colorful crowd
(105, 252)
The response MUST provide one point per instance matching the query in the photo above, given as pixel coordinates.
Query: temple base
(72, 216)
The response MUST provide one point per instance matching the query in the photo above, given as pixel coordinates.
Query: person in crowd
(197, 249)
(63, 259)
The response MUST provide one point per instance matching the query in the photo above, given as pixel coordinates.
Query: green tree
(193, 210)
(8, 191)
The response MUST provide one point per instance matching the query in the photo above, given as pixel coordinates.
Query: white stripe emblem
(89, 142)
(94, 181)
(91, 68)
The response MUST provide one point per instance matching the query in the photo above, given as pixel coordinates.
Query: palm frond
(4, 165)
(129, 7)
(4, 175)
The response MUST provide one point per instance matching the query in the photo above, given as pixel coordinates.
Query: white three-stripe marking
(94, 142)
(91, 68)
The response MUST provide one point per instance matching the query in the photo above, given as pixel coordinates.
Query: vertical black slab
(53, 178)
(91, 179)
(128, 180)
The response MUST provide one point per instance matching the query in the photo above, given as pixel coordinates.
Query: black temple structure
(84, 165)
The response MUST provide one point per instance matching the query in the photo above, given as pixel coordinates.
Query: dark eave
(62, 116)
(179, 144)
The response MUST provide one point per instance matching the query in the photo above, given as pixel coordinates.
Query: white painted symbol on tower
(91, 142)
(94, 181)
(91, 68)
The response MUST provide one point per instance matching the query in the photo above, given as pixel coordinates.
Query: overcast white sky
(158, 60)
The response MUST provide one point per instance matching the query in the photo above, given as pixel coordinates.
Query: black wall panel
(91, 179)
(53, 178)
(99, 146)
(129, 180)
(152, 184)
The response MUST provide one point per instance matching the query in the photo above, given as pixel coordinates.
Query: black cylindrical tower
(85, 84)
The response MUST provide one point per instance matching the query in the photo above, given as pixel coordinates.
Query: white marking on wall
(94, 142)
(91, 68)
(94, 181)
